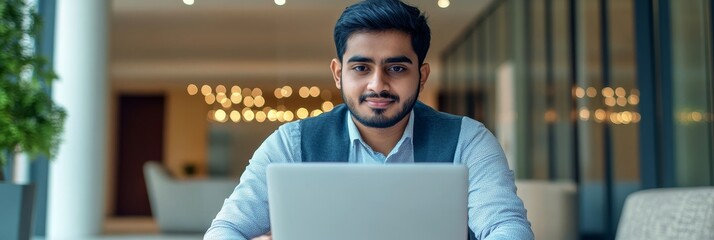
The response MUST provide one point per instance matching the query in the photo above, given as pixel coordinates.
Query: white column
(77, 175)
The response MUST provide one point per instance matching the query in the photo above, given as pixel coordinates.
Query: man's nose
(378, 82)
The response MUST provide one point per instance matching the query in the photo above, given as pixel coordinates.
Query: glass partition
(557, 83)
(692, 91)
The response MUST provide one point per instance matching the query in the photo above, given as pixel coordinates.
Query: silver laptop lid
(317, 201)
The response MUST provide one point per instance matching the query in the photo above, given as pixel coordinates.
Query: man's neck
(382, 140)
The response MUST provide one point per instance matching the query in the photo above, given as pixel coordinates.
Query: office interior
(601, 97)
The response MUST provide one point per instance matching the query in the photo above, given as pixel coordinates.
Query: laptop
(329, 201)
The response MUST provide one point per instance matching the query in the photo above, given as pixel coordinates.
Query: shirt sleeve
(244, 214)
(494, 209)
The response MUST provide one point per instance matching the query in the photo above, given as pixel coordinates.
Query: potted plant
(30, 122)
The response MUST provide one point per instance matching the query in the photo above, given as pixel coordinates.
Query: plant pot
(16, 206)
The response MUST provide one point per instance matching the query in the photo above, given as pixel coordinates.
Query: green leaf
(29, 119)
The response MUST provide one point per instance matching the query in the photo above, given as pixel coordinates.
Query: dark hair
(383, 15)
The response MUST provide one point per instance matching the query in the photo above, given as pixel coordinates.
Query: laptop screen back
(351, 201)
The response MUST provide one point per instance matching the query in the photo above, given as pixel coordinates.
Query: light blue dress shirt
(494, 209)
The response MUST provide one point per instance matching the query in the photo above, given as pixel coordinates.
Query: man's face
(379, 77)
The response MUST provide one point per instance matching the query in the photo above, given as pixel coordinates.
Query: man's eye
(397, 69)
(360, 68)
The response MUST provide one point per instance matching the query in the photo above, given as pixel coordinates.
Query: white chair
(184, 205)
(551, 208)
(671, 213)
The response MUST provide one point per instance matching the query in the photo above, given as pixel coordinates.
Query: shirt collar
(355, 136)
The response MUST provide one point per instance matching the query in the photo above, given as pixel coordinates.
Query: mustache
(383, 94)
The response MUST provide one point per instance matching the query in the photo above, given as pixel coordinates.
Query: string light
(286, 91)
(192, 89)
(256, 92)
(600, 115)
(327, 106)
(592, 92)
(550, 116)
(229, 101)
(210, 99)
(688, 117)
(304, 92)
(621, 101)
(254, 98)
(608, 92)
(226, 104)
(610, 101)
(626, 117)
(620, 92)
(314, 91)
(260, 116)
(696, 116)
(279, 116)
(278, 93)
(288, 116)
(235, 116)
(302, 113)
(259, 101)
(579, 92)
(273, 115)
(220, 115)
(248, 115)
(612, 97)
(634, 99)
(221, 97)
(236, 98)
(246, 92)
(235, 89)
(248, 101)
(617, 118)
(205, 90)
(221, 89)
(211, 114)
(584, 114)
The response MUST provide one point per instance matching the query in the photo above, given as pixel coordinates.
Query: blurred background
(606, 97)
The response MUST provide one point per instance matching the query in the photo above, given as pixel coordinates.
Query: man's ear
(336, 68)
(424, 70)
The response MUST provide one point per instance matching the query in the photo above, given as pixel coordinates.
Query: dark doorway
(140, 138)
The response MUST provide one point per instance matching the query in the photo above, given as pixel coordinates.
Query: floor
(139, 228)
(129, 225)
(136, 228)
(139, 237)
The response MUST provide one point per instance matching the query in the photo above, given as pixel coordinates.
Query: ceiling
(251, 41)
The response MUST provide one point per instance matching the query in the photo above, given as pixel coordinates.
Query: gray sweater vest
(325, 138)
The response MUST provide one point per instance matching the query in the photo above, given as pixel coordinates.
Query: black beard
(383, 94)
(379, 120)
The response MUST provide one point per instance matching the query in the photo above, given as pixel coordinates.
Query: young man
(380, 71)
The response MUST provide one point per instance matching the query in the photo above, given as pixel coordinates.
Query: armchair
(669, 213)
(184, 205)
